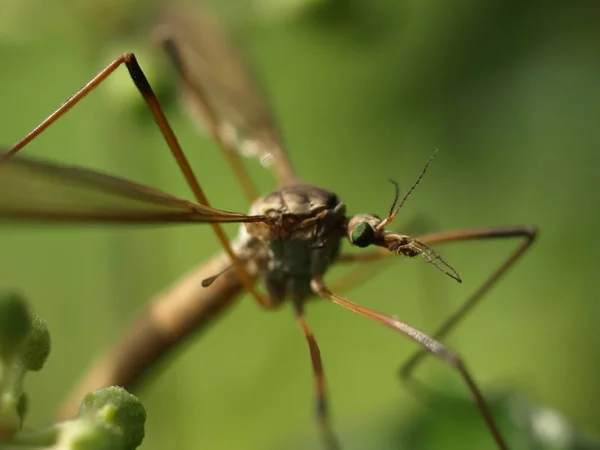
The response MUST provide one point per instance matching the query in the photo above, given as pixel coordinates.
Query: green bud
(15, 324)
(86, 434)
(116, 408)
(37, 346)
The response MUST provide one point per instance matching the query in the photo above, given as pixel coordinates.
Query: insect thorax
(311, 222)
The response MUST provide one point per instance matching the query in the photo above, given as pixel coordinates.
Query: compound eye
(362, 235)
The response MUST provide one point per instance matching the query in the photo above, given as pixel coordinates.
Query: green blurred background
(363, 91)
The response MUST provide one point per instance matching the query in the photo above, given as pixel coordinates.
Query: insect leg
(360, 273)
(428, 343)
(143, 86)
(527, 234)
(327, 433)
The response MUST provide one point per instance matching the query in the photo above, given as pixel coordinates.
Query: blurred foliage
(525, 425)
(364, 91)
(110, 418)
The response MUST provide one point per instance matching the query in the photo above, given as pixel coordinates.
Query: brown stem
(170, 317)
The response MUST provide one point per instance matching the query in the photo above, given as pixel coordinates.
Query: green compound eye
(362, 235)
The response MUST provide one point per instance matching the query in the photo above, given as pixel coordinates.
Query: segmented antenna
(412, 188)
(395, 205)
(396, 197)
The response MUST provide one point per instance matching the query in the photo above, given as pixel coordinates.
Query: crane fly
(289, 238)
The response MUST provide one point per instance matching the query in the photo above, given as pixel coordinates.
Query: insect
(289, 238)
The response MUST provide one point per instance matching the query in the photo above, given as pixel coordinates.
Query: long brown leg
(143, 86)
(327, 433)
(428, 343)
(358, 274)
(528, 234)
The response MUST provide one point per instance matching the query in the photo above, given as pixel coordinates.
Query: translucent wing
(218, 86)
(35, 190)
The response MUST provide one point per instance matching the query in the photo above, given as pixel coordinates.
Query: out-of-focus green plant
(525, 424)
(110, 418)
